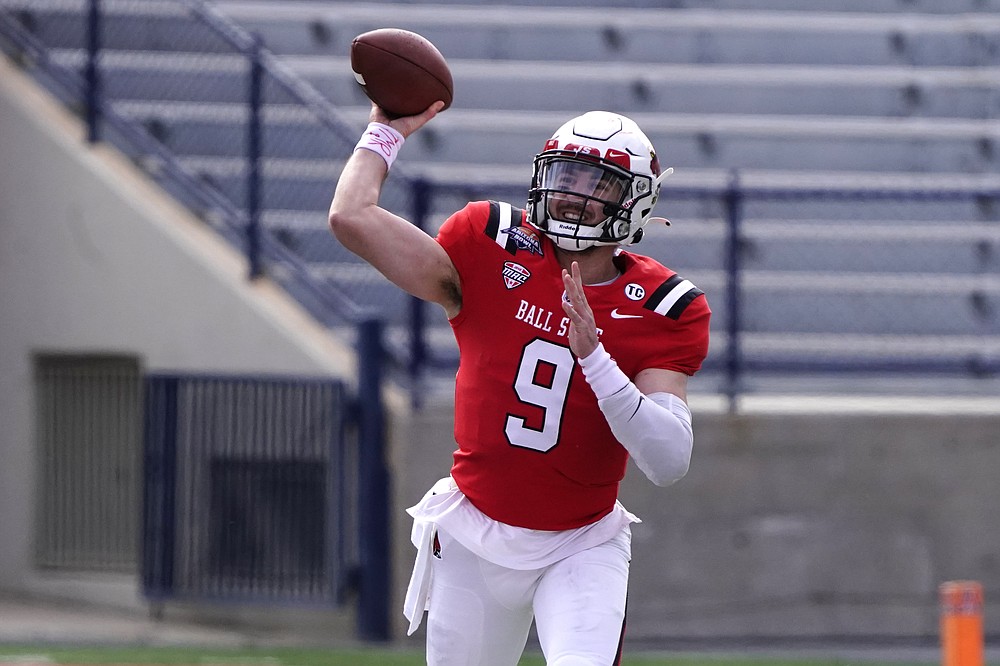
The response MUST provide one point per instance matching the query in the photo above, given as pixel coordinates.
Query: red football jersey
(534, 449)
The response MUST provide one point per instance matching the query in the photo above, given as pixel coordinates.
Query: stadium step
(894, 7)
(864, 94)
(696, 141)
(629, 34)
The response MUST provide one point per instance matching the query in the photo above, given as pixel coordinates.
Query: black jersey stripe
(682, 303)
(503, 216)
(660, 292)
(672, 297)
(493, 223)
(516, 216)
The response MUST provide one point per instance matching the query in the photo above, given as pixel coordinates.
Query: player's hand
(406, 125)
(582, 327)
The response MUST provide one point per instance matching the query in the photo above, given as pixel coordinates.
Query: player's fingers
(583, 303)
(428, 113)
(576, 281)
(577, 314)
(407, 125)
(570, 287)
(574, 285)
(570, 312)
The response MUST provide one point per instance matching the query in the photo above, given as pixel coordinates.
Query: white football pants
(480, 613)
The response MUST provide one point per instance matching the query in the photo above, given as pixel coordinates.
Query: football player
(574, 355)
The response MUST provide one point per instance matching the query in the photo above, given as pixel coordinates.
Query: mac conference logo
(514, 274)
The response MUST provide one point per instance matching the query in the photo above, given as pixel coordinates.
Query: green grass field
(27, 655)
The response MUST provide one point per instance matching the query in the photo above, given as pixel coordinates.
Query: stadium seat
(863, 95)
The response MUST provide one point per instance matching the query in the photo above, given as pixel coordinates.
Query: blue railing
(748, 346)
(733, 363)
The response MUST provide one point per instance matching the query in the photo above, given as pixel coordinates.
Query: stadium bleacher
(896, 94)
(865, 90)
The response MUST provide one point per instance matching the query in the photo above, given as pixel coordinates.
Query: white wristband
(602, 373)
(381, 139)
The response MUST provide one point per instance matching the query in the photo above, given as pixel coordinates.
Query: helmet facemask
(583, 201)
(595, 183)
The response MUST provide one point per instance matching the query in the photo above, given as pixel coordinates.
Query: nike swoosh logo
(617, 315)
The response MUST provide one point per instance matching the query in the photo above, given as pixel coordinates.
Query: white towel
(419, 588)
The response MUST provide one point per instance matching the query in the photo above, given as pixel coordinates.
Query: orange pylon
(961, 623)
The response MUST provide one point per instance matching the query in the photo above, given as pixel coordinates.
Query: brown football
(400, 71)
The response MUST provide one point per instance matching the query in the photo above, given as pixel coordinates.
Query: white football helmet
(595, 182)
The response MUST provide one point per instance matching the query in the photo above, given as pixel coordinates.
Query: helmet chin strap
(573, 244)
(564, 243)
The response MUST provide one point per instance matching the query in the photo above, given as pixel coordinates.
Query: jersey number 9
(543, 381)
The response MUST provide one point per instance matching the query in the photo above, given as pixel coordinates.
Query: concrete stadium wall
(826, 522)
(94, 258)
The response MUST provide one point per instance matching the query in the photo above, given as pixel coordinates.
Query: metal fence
(253, 489)
(847, 276)
(264, 489)
(250, 489)
(868, 280)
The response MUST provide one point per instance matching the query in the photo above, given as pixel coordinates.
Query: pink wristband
(383, 140)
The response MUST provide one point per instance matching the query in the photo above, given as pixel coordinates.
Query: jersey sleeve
(458, 234)
(678, 340)
(688, 342)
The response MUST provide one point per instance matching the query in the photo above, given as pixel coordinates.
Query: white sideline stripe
(673, 296)
(501, 238)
